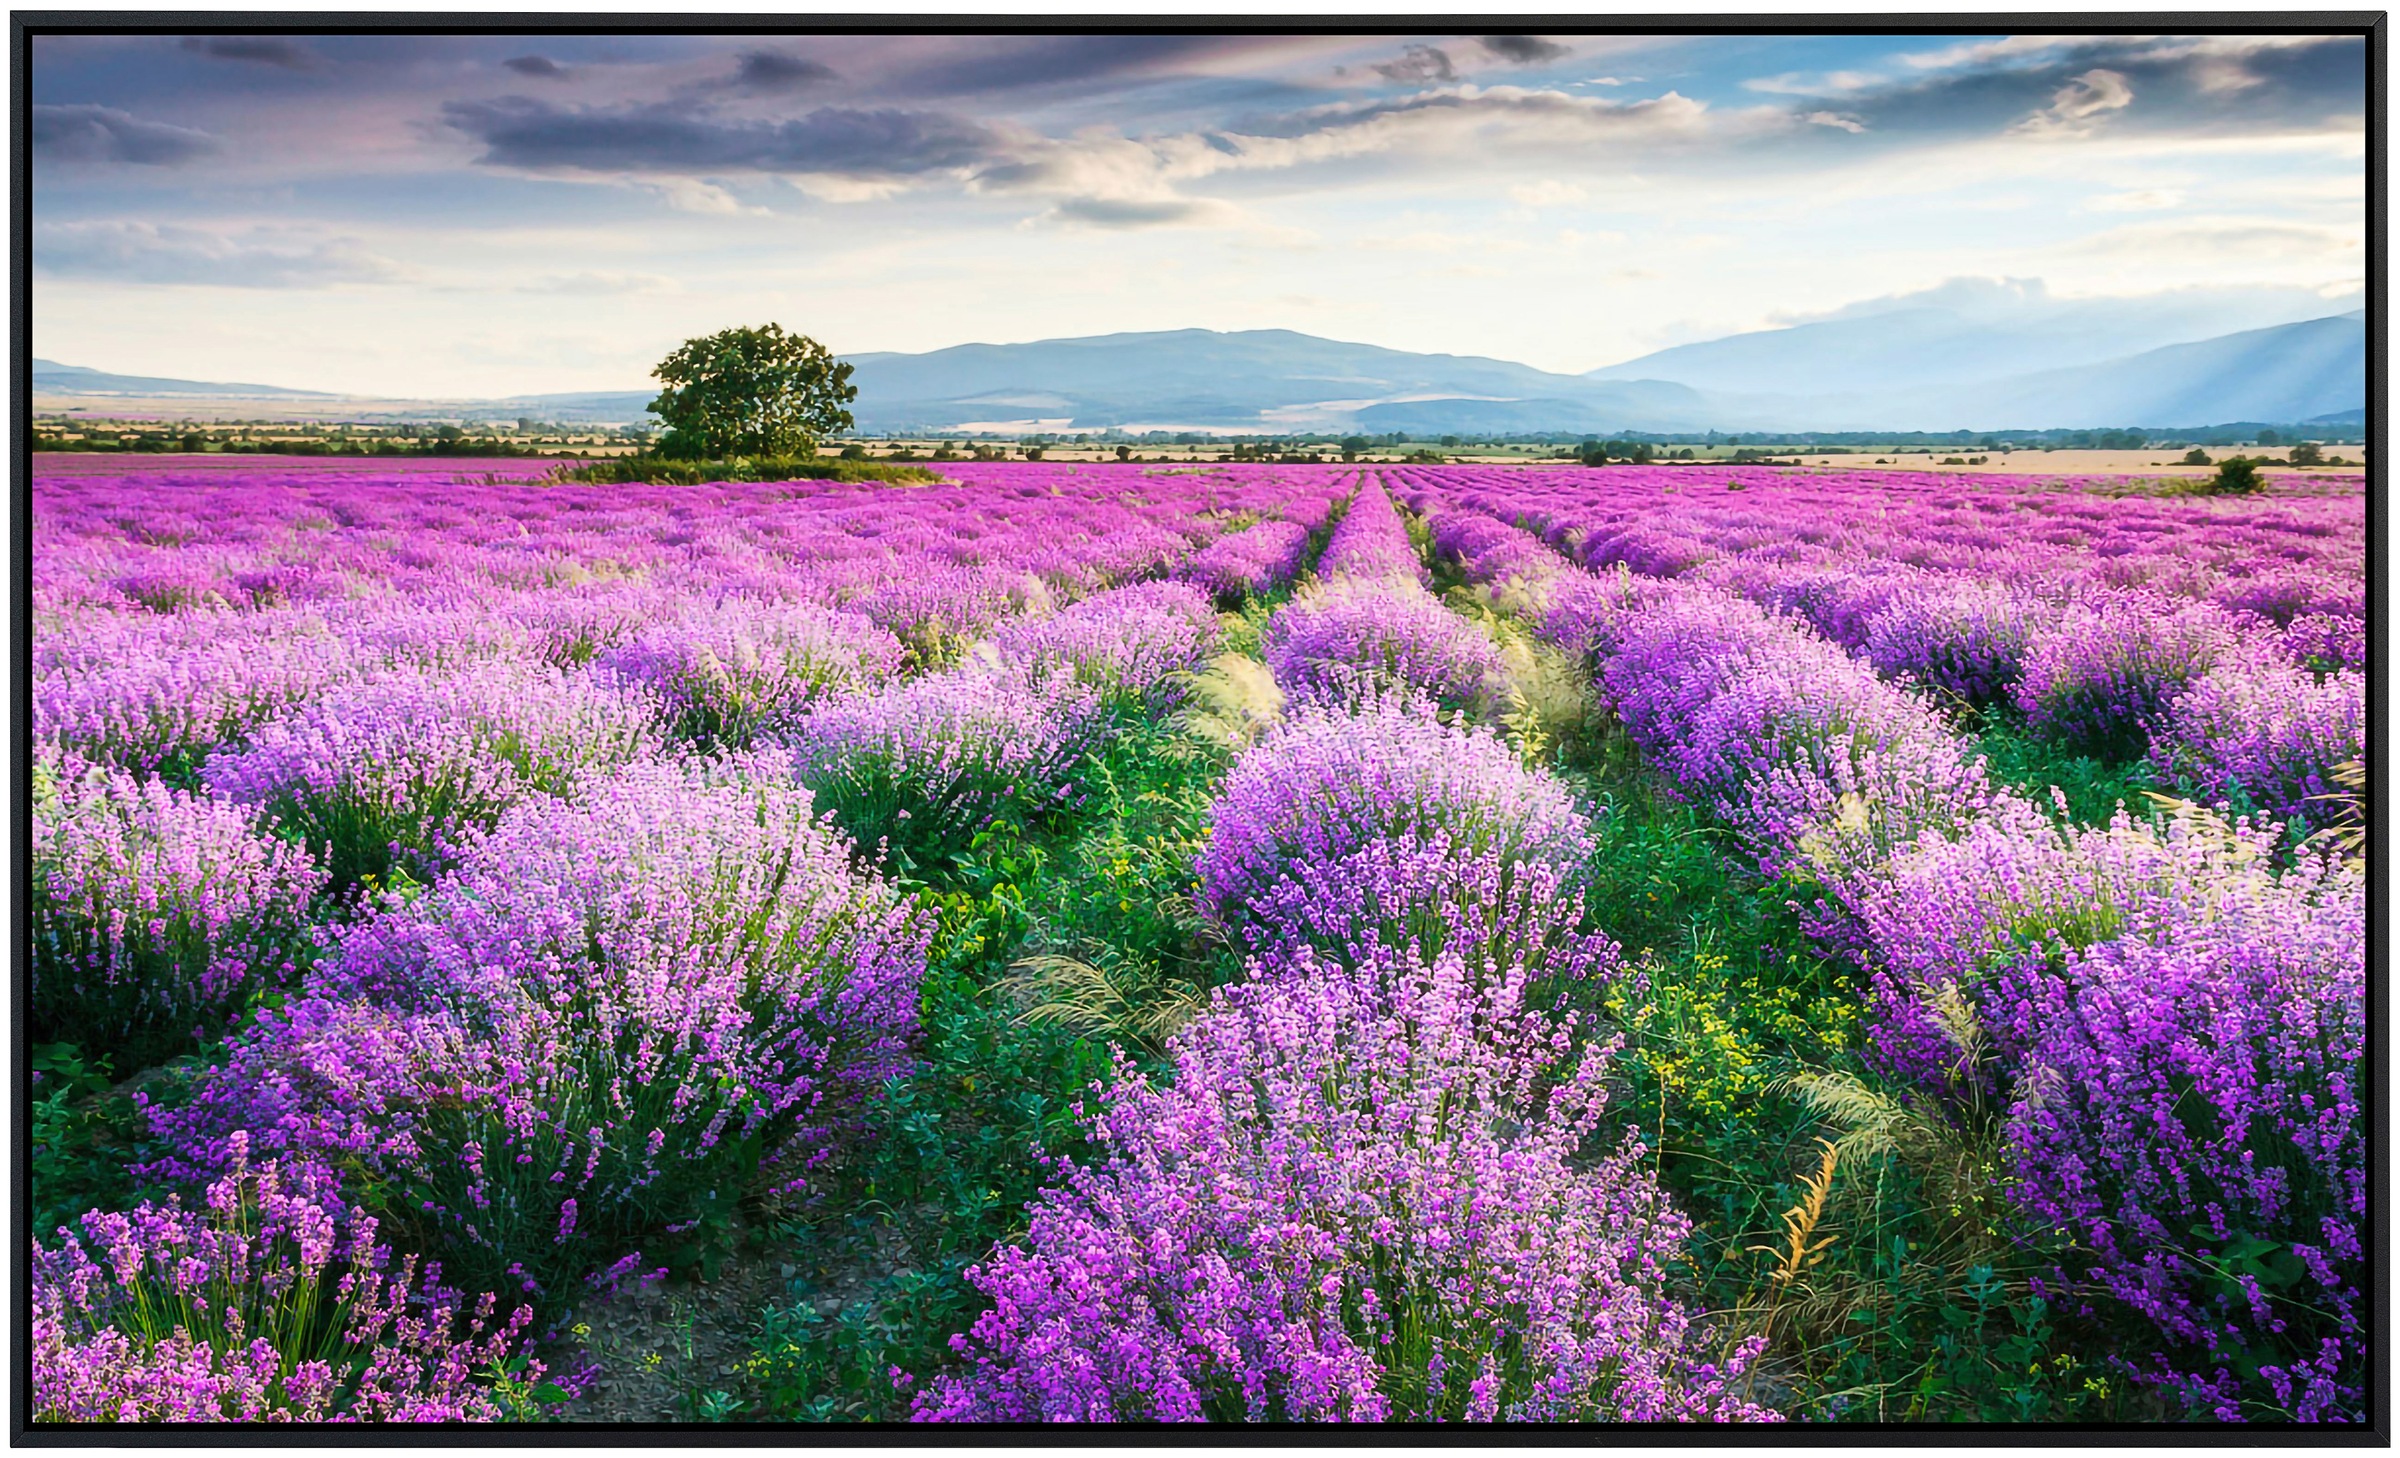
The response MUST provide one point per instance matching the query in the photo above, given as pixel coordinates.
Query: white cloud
(691, 195)
(1835, 119)
(2076, 107)
(1547, 194)
(256, 258)
(1804, 83)
(602, 282)
(2140, 200)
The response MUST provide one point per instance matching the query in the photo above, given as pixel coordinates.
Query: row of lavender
(2163, 1022)
(2227, 642)
(1358, 1195)
(605, 955)
(172, 614)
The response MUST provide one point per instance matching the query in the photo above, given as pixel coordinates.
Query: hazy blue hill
(1260, 378)
(1809, 377)
(2292, 372)
(1965, 331)
(64, 379)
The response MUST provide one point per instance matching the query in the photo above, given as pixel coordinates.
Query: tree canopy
(751, 392)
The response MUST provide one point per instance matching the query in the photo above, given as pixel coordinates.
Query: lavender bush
(1127, 644)
(744, 668)
(1358, 1199)
(923, 766)
(2105, 671)
(156, 915)
(402, 770)
(2196, 1123)
(1965, 639)
(1366, 635)
(622, 1013)
(1327, 786)
(1258, 559)
(273, 1303)
(2264, 735)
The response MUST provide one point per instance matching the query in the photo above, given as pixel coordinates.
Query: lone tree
(751, 392)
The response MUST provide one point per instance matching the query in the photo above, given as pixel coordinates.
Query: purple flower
(156, 914)
(650, 999)
(272, 1303)
(403, 769)
(1355, 1182)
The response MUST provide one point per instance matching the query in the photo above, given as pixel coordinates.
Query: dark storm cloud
(1419, 64)
(689, 140)
(541, 66)
(105, 134)
(2211, 86)
(259, 49)
(1524, 50)
(773, 71)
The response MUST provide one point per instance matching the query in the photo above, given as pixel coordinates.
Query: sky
(470, 216)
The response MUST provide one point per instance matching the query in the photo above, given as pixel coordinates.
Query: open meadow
(1248, 942)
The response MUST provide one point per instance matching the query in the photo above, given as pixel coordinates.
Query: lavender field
(1661, 944)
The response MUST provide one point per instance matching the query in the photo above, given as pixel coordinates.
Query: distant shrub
(666, 471)
(2238, 476)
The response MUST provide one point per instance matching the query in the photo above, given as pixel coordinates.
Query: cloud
(2141, 200)
(105, 134)
(537, 66)
(2222, 240)
(691, 195)
(2053, 87)
(772, 72)
(2075, 107)
(1803, 83)
(157, 253)
(1546, 194)
(260, 50)
(1522, 50)
(601, 283)
(688, 139)
(1104, 212)
(2008, 48)
(1417, 65)
(1836, 120)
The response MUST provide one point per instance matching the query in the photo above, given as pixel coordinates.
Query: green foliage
(2237, 476)
(87, 1134)
(2033, 766)
(751, 392)
(959, 1148)
(2196, 457)
(661, 471)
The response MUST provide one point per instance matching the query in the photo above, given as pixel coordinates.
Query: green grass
(2093, 787)
(958, 1149)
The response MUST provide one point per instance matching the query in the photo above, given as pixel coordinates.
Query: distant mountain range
(53, 378)
(2064, 366)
